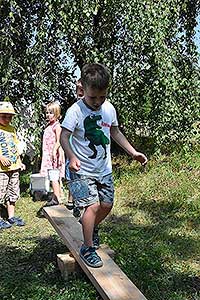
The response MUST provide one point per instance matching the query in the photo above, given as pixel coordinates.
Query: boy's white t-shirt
(91, 136)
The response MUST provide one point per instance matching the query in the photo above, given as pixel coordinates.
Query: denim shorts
(91, 189)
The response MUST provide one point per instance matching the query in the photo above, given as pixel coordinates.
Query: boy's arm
(74, 163)
(122, 141)
(6, 162)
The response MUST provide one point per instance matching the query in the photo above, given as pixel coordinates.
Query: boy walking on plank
(91, 122)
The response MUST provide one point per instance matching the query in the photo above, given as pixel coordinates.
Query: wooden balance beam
(109, 280)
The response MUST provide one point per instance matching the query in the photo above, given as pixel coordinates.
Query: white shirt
(91, 136)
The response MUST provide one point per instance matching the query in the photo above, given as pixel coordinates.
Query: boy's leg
(3, 217)
(93, 207)
(87, 251)
(91, 242)
(4, 179)
(106, 197)
(101, 189)
(12, 196)
(88, 220)
(12, 193)
(103, 211)
(10, 209)
(11, 215)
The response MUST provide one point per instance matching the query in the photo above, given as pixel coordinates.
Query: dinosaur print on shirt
(95, 135)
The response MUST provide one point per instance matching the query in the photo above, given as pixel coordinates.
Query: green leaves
(147, 45)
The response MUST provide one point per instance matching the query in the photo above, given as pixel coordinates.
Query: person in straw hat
(10, 165)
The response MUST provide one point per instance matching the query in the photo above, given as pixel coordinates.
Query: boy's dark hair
(95, 75)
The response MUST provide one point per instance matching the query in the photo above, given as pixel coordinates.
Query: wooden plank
(109, 280)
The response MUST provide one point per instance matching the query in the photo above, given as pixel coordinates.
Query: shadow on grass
(155, 256)
(33, 274)
(21, 264)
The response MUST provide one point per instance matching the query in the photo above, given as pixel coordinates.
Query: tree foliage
(147, 45)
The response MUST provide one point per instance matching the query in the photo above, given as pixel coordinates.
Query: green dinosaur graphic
(95, 135)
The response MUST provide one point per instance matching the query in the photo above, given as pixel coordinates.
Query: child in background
(87, 129)
(70, 202)
(52, 152)
(10, 164)
(79, 89)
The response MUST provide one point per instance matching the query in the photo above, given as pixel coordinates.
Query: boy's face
(94, 98)
(5, 119)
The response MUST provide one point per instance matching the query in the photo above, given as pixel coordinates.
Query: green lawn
(154, 228)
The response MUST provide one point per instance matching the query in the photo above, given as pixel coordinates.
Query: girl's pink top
(49, 140)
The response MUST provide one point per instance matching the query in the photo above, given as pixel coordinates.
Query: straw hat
(6, 108)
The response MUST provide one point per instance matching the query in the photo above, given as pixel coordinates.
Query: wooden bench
(109, 280)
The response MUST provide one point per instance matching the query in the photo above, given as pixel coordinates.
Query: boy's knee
(93, 207)
(12, 202)
(106, 205)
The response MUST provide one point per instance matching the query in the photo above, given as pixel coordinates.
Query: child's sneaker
(90, 257)
(76, 212)
(70, 205)
(16, 221)
(95, 237)
(4, 224)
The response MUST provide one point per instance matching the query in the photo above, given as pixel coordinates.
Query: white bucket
(39, 183)
(54, 174)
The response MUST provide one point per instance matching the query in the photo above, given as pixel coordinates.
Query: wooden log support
(68, 265)
(109, 280)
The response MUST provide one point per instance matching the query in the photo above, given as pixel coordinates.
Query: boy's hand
(74, 165)
(5, 161)
(23, 167)
(140, 157)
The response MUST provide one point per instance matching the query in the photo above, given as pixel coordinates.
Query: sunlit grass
(154, 228)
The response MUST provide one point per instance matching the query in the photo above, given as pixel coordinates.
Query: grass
(154, 228)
